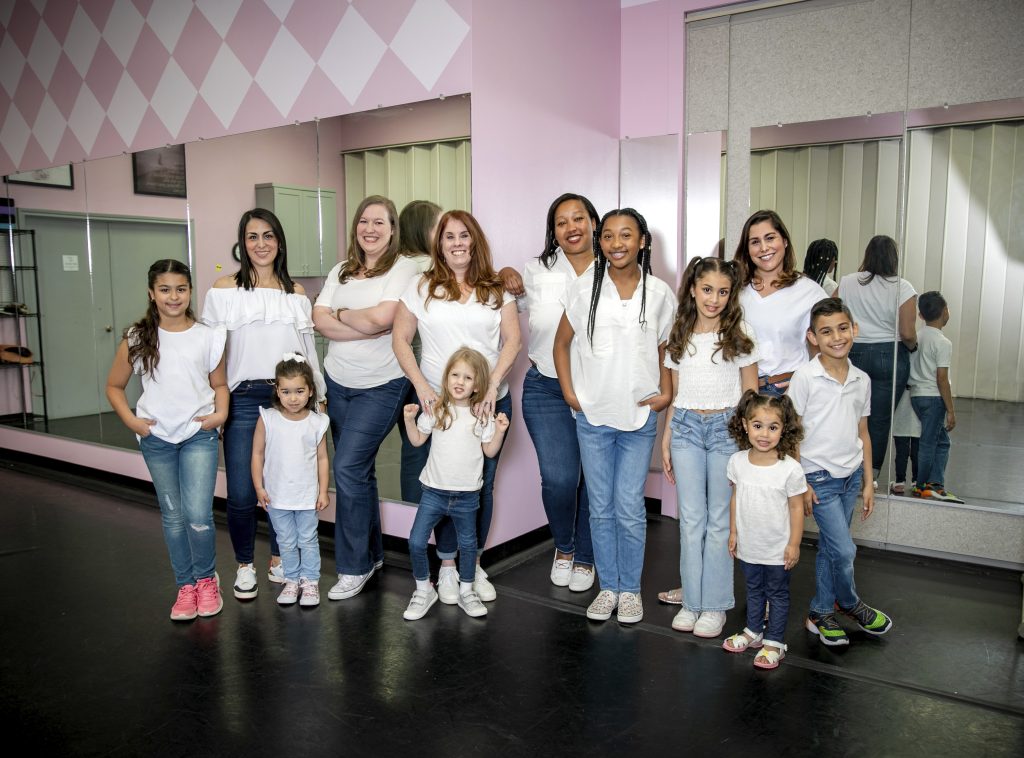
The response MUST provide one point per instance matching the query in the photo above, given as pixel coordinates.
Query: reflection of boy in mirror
(932, 398)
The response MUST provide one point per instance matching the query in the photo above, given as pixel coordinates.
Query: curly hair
(144, 336)
(748, 271)
(290, 369)
(732, 342)
(443, 413)
(792, 430)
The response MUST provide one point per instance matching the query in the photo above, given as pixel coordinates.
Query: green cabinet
(303, 213)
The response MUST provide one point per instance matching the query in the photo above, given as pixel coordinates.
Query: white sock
(423, 584)
(465, 587)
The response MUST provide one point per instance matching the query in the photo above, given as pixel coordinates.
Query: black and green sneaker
(827, 629)
(869, 619)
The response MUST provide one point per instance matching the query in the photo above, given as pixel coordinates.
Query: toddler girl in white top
(453, 475)
(289, 473)
(766, 518)
(184, 401)
(713, 359)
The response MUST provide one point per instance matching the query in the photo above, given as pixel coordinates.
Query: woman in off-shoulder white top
(266, 314)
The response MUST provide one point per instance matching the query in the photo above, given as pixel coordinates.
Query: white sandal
(740, 642)
(770, 659)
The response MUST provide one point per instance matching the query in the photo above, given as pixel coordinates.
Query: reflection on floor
(93, 665)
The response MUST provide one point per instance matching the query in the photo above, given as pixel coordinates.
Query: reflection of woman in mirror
(417, 225)
(365, 385)
(776, 299)
(820, 263)
(568, 253)
(266, 315)
(460, 302)
(885, 309)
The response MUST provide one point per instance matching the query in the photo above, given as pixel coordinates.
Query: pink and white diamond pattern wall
(98, 77)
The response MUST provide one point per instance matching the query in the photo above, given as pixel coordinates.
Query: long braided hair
(547, 256)
(143, 336)
(643, 260)
(820, 256)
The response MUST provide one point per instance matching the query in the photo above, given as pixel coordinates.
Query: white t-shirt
(762, 506)
(446, 325)
(934, 351)
(829, 284)
(831, 414)
(622, 366)
(359, 364)
(707, 381)
(780, 322)
(456, 459)
(179, 389)
(290, 474)
(263, 324)
(545, 293)
(875, 305)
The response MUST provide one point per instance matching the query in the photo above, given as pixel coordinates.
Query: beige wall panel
(707, 65)
(951, 282)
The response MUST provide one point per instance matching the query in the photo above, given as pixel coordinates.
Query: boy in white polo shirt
(833, 398)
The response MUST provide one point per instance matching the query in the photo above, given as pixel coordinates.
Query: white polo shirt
(831, 414)
(545, 291)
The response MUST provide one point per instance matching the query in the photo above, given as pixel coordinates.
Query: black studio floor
(91, 665)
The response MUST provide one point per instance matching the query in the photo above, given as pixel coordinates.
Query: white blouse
(263, 324)
(780, 322)
(621, 367)
(360, 364)
(446, 325)
(290, 474)
(545, 291)
(707, 381)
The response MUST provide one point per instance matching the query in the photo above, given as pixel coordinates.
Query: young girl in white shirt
(184, 401)
(452, 478)
(608, 353)
(713, 359)
(289, 473)
(766, 518)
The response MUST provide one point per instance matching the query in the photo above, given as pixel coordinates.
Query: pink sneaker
(184, 608)
(209, 599)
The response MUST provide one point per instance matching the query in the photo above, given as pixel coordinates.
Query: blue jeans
(906, 448)
(413, 458)
(701, 448)
(184, 475)
(767, 585)
(833, 567)
(933, 449)
(774, 389)
(563, 490)
(446, 535)
(243, 413)
(876, 360)
(460, 508)
(360, 420)
(300, 549)
(615, 464)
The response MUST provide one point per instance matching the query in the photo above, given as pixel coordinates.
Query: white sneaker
(709, 624)
(348, 585)
(309, 593)
(420, 603)
(631, 608)
(603, 606)
(483, 588)
(378, 565)
(245, 582)
(276, 574)
(582, 578)
(448, 585)
(561, 571)
(289, 594)
(470, 603)
(684, 620)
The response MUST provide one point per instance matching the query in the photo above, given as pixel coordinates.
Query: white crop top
(707, 381)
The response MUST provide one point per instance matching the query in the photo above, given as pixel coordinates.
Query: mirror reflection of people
(885, 307)
(417, 225)
(776, 299)
(266, 314)
(820, 263)
(460, 302)
(366, 388)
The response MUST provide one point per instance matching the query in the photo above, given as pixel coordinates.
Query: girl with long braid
(609, 352)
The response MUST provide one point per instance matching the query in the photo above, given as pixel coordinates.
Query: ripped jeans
(184, 475)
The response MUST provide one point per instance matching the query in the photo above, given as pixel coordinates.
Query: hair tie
(293, 357)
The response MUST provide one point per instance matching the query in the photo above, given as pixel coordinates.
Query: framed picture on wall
(160, 171)
(62, 177)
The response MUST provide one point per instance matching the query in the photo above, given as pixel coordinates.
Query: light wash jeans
(701, 448)
(833, 567)
(615, 464)
(184, 475)
(297, 538)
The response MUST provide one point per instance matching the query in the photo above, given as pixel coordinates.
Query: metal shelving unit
(19, 304)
